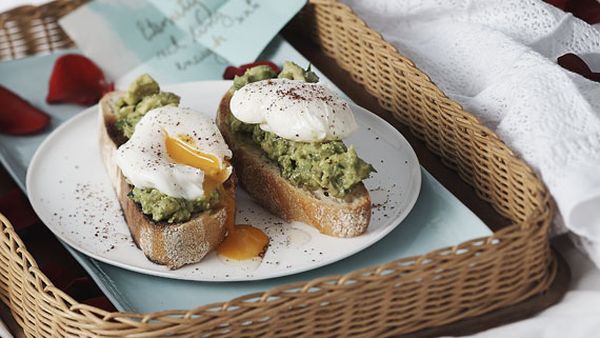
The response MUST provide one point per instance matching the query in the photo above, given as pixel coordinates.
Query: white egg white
(144, 160)
(294, 110)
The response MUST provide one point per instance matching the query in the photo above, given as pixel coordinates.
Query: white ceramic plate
(71, 193)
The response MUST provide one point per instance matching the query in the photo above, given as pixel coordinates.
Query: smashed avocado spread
(290, 71)
(328, 165)
(161, 207)
(142, 96)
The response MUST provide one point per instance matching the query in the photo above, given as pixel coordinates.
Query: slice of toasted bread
(173, 245)
(261, 178)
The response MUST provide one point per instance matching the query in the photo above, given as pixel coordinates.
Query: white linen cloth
(4, 332)
(498, 59)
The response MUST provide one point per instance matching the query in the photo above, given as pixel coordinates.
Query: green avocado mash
(292, 71)
(142, 96)
(329, 165)
(161, 207)
(289, 71)
(252, 75)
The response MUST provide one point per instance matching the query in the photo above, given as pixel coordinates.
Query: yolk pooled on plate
(243, 241)
(182, 151)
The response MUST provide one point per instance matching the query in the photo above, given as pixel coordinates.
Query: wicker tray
(402, 296)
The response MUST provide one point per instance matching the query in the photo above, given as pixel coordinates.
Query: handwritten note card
(176, 40)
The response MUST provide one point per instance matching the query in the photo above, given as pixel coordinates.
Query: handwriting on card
(176, 36)
(197, 19)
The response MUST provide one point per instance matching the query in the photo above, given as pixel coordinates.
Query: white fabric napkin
(498, 59)
(4, 332)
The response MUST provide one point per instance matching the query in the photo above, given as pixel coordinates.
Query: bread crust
(173, 245)
(261, 178)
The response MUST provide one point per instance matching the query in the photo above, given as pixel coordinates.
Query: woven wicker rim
(398, 297)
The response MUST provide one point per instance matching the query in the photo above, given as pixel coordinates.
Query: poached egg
(294, 110)
(178, 151)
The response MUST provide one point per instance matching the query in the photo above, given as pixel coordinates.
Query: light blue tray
(437, 220)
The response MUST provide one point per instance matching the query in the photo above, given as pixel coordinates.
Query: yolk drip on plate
(243, 241)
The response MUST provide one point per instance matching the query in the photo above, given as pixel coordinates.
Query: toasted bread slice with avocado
(170, 244)
(261, 178)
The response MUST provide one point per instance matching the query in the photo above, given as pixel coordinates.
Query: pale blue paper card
(176, 39)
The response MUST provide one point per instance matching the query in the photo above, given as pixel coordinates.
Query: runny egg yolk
(243, 241)
(181, 150)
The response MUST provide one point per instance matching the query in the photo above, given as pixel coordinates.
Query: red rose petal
(231, 71)
(58, 273)
(586, 10)
(100, 302)
(15, 206)
(575, 64)
(19, 117)
(76, 79)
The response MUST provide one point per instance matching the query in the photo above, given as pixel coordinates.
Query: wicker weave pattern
(402, 296)
(29, 30)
